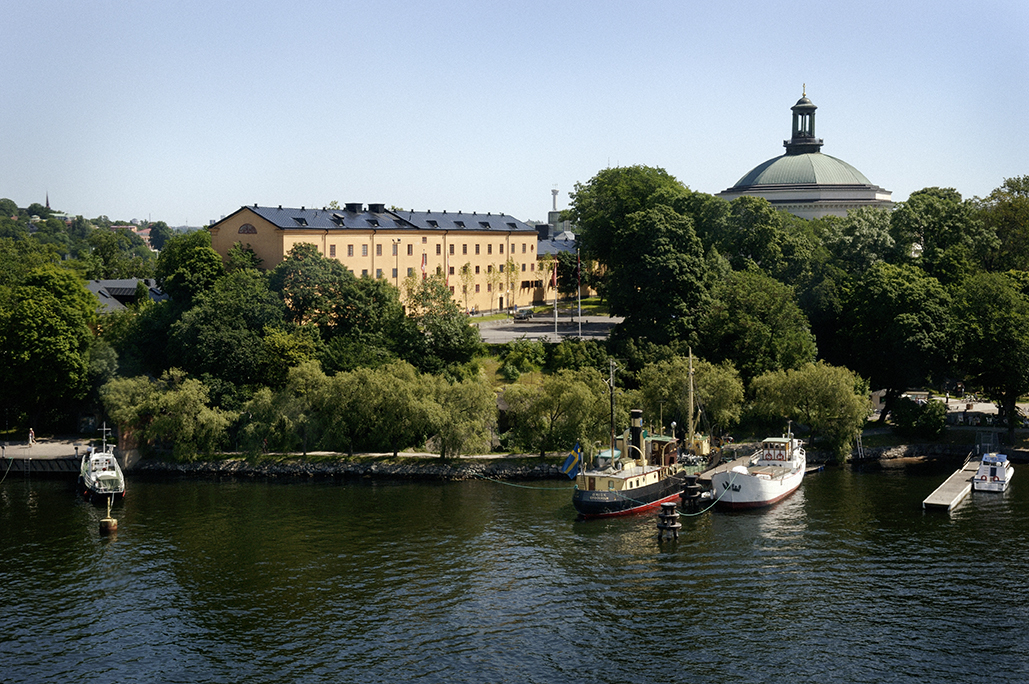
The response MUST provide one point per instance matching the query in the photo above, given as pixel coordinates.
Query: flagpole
(578, 287)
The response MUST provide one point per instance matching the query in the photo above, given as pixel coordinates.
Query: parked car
(523, 314)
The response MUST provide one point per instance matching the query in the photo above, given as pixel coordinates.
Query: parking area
(543, 328)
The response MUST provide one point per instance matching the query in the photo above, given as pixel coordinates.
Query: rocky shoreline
(344, 470)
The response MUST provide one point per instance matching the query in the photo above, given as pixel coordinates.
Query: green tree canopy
(1005, 214)
(755, 323)
(553, 412)
(188, 266)
(991, 327)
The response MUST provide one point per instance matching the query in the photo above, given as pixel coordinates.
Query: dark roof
(358, 216)
(114, 294)
(544, 247)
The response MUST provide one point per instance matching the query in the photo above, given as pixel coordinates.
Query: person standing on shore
(32, 437)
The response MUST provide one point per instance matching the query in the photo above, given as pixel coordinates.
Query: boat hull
(985, 483)
(751, 491)
(609, 503)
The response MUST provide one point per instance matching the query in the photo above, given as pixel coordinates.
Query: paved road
(542, 328)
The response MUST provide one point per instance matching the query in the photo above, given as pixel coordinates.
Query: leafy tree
(44, 342)
(160, 233)
(556, 411)
(522, 356)
(283, 350)
(467, 278)
(991, 327)
(755, 323)
(601, 206)
(8, 208)
(311, 285)
(658, 286)
(832, 401)
(576, 354)
(464, 415)
(290, 418)
(718, 393)
(899, 329)
(1005, 213)
(952, 239)
(188, 266)
(925, 421)
(448, 338)
(241, 258)
(222, 335)
(861, 240)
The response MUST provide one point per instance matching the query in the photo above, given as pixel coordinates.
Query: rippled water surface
(847, 580)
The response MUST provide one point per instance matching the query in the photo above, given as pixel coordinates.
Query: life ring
(982, 477)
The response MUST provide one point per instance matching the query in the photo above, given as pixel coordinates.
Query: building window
(489, 269)
(451, 270)
(489, 249)
(523, 268)
(489, 287)
(439, 249)
(476, 249)
(332, 250)
(394, 273)
(464, 249)
(378, 273)
(451, 249)
(410, 271)
(476, 287)
(532, 248)
(364, 272)
(364, 250)
(523, 248)
(501, 268)
(378, 250)
(439, 270)
(501, 247)
(350, 250)
(451, 289)
(425, 240)
(410, 250)
(476, 270)
(394, 249)
(532, 267)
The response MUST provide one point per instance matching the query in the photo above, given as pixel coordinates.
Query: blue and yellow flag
(571, 465)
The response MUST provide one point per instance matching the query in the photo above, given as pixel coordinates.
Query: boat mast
(690, 424)
(611, 384)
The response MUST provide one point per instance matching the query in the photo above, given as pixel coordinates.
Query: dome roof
(803, 169)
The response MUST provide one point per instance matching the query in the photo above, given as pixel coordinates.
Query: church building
(806, 182)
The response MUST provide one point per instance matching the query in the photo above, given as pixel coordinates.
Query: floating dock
(957, 486)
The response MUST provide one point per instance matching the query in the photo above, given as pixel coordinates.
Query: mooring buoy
(108, 524)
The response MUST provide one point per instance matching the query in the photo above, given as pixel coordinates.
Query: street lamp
(396, 253)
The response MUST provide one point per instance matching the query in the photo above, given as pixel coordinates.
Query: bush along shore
(300, 468)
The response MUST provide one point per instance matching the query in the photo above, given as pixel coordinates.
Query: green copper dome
(814, 168)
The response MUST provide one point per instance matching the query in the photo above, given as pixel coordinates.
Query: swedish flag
(571, 465)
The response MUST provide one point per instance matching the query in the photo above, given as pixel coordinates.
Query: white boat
(994, 473)
(772, 474)
(100, 476)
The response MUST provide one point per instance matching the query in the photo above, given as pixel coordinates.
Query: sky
(184, 111)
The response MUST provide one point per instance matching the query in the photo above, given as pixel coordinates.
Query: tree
(991, 328)
(754, 322)
(313, 286)
(44, 342)
(556, 411)
(222, 335)
(832, 401)
(718, 393)
(898, 329)
(159, 234)
(448, 338)
(952, 239)
(188, 266)
(658, 284)
(464, 415)
(601, 206)
(861, 240)
(467, 282)
(1005, 213)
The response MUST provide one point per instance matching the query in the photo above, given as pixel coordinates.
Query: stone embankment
(299, 469)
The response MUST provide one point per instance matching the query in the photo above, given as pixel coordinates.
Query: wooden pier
(954, 489)
(705, 477)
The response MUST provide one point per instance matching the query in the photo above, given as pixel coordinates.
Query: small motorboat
(100, 476)
(994, 473)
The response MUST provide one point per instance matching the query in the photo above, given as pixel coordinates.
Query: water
(846, 580)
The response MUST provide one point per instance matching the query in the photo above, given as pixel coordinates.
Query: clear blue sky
(184, 111)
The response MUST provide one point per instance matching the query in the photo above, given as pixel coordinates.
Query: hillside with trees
(786, 318)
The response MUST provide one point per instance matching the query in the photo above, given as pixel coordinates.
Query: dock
(60, 459)
(954, 489)
(705, 477)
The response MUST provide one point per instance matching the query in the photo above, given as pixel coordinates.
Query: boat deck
(705, 477)
(954, 489)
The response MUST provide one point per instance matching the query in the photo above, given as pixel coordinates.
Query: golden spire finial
(803, 90)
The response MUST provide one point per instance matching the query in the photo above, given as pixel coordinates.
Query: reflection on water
(479, 582)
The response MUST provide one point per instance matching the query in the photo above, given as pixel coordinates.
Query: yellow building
(489, 260)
